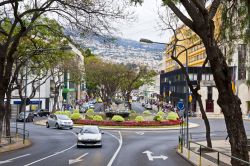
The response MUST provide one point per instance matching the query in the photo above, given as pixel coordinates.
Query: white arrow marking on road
(139, 133)
(78, 159)
(10, 160)
(151, 158)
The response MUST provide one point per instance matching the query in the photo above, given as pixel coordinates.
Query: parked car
(29, 117)
(59, 121)
(41, 112)
(89, 136)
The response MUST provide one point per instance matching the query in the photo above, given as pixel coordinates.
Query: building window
(195, 77)
(211, 77)
(203, 77)
(191, 77)
(207, 76)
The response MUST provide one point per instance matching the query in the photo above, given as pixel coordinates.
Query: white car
(59, 121)
(89, 136)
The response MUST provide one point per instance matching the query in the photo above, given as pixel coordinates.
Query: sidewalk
(16, 143)
(207, 158)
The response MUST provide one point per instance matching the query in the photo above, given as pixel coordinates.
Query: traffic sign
(180, 105)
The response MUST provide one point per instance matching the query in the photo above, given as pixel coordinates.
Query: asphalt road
(52, 147)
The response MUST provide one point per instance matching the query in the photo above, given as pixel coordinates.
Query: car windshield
(63, 117)
(91, 130)
(22, 114)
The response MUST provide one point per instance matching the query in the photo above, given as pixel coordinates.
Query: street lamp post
(187, 88)
(25, 101)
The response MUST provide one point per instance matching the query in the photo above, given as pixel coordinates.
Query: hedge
(98, 118)
(139, 119)
(76, 116)
(158, 118)
(117, 118)
(172, 116)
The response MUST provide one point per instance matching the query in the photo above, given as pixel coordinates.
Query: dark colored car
(28, 117)
(41, 112)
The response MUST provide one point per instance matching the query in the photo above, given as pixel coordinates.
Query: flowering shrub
(160, 113)
(139, 119)
(90, 111)
(158, 118)
(172, 116)
(128, 123)
(76, 116)
(147, 112)
(132, 111)
(98, 118)
(117, 118)
(76, 111)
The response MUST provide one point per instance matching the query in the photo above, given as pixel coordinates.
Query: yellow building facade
(195, 49)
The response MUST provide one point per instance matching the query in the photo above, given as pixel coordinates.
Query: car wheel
(78, 146)
(57, 126)
(71, 128)
(47, 124)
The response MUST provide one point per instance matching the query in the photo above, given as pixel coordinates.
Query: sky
(146, 24)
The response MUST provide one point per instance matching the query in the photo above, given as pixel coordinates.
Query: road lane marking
(139, 133)
(10, 160)
(78, 159)
(151, 157)
(118, 149)
(56, 153)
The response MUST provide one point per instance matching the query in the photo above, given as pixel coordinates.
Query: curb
(191, 125)
(190, 162)
(16, 146)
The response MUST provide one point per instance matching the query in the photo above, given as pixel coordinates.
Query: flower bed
(128, 123)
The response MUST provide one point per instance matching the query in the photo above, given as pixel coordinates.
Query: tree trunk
(2, 108)
(127, 99)
(229, 103)
(205, 119)
(8, 112)
(56, 105)
(2, 112)
(22, 105)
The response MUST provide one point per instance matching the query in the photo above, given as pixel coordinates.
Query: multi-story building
(173, 85)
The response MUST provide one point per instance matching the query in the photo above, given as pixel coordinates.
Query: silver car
(59, 121)
(89, 136)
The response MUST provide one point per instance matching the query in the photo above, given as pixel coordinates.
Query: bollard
(218, 159)
(188, 150)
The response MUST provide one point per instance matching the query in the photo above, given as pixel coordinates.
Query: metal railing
(15, 132)
(218, 161)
